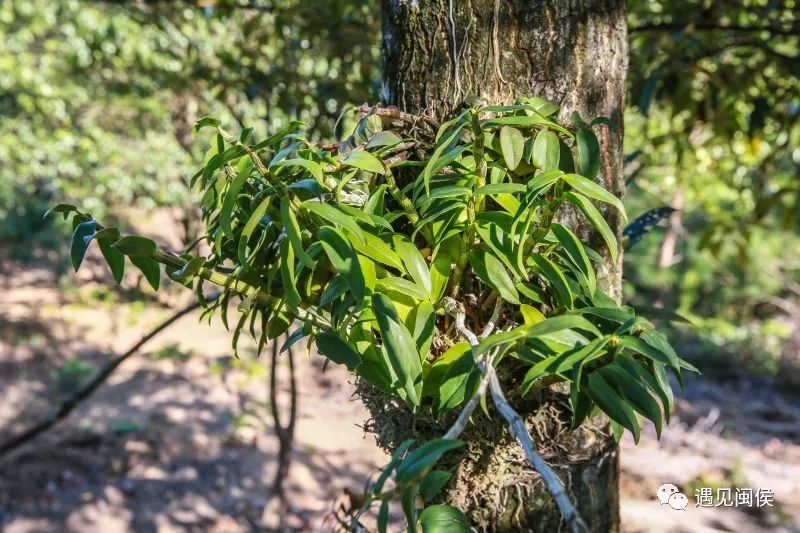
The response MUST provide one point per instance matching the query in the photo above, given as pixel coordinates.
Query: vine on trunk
(390, 252)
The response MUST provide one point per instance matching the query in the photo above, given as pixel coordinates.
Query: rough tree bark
(574, 53)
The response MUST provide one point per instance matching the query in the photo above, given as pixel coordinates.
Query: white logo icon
(678, 501)
(668, 494)
(665, 491)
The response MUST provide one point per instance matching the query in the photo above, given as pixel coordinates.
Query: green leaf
(407, 502)
(335, 216)
(459, 380)
(593, 190)
(64, 209)
(633, 391)
(492, 272)
(438, 160)
(334, 348)
(546, 151)
(114, 258)
(136, 246)
(525, 121)
(440, 275)
(651, 352)
(293, 233)
(443, 519)
(364, 161)
(229, 202)
(449, 191)
(344, 260)
(512, 144)
(384, 138)
(555, 278)
(499, 188)
(383, 516)
(577, 254)
(597, 221)
(190, 269)
(545, 327)
(424, 327)
(375, 248)
(149, 268)
(421, 459)
(313, 167)
(433, 482)
(588, 153)
(612, 403)
(414, 262)
(288, 281)
(657, 340)
(400, 348)
(81, 238)
(404, 286)
(206, 122)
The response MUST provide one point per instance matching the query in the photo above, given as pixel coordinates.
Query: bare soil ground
(179, 439)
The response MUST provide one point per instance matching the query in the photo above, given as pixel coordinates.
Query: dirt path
(179, 438)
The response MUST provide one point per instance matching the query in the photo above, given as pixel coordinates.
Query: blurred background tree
(712, 130)
(86, 88)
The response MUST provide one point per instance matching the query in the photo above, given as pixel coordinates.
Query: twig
(394, 113)
(285, 433)
(517, 428)
(516, 424)
(84, 392)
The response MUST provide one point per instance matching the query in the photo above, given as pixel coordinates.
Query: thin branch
(84, 392)
(516, 424)
(394, 113)
(517, 428)
(285, 433)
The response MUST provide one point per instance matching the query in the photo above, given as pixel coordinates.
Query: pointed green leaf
(555, 278)
(293, 233)
(414, 262)
(364, 161)
(588, 153)
(612, 404)
(114, 258)
(591, 189)
(81, 238)
(633, 391)
(400, 348)
(421, 459)
(136, 246)
(311, 166)
(333, 215)
(492, 272)
(597, 221)
(577, 254)
(334, 348)
(149, 268)
(343, 258)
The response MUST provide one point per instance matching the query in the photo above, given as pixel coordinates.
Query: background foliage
(86, 88)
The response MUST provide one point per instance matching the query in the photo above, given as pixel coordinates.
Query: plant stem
(244, 289)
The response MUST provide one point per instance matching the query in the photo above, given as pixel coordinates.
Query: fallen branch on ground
(85, 391)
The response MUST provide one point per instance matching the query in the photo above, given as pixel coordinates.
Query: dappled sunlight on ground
(179, 437)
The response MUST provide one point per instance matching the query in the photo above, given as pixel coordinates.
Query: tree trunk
(573, 53)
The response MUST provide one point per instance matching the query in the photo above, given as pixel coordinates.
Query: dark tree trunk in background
(573, 53)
